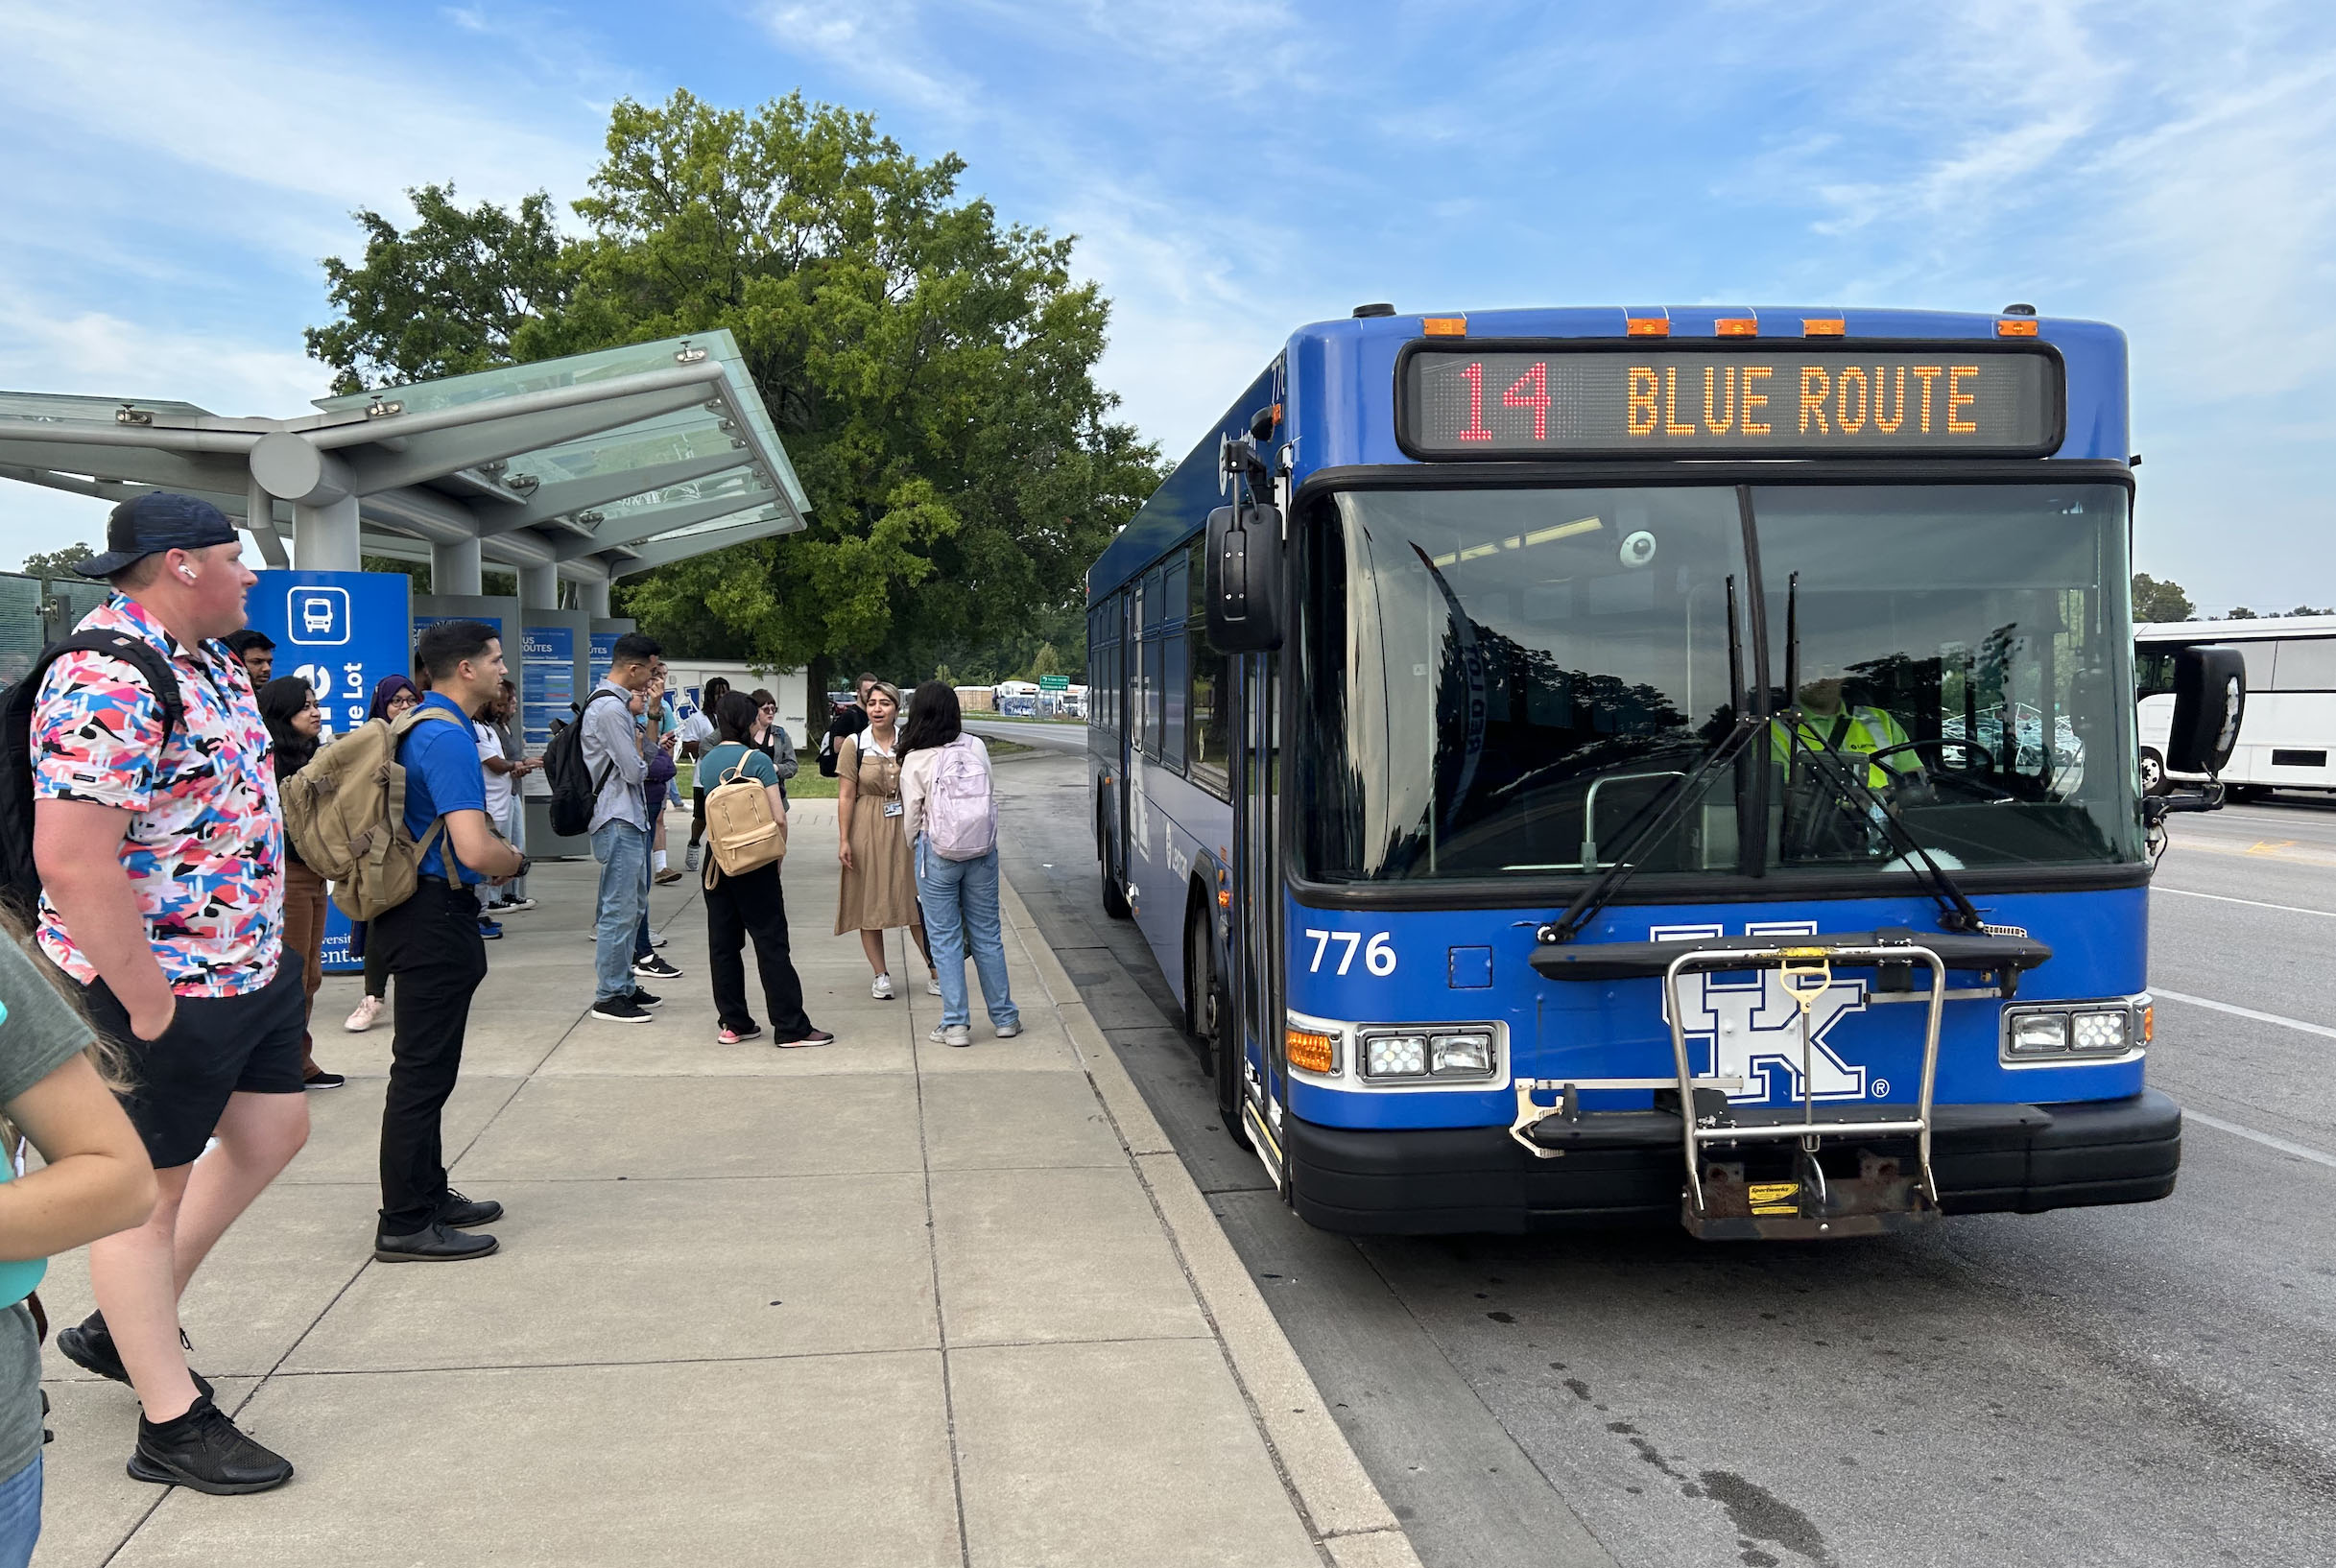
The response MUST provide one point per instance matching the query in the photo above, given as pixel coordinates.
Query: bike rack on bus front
(1719, 1202)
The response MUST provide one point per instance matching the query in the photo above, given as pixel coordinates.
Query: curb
(1339, 1504)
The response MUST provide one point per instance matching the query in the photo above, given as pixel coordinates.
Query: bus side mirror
(2209, 700)
(1245, 579)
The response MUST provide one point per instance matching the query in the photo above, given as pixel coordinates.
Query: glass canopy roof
(670, 438)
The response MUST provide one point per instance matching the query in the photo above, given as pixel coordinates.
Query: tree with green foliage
(1045, 662)
(56, 563)
(444, 297)
(2239, 612)
(2156, 601)
(930, 369)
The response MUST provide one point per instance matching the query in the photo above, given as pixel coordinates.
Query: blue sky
(171, 173)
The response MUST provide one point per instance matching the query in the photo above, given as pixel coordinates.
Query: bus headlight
(1461, 1055)
(1395, 1055)
(2097, 1031)
(2077, 1029)
(2039, 1034)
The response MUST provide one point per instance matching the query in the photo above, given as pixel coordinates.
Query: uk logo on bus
(1750, 1028)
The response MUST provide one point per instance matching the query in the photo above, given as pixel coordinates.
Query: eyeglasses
(769, 707)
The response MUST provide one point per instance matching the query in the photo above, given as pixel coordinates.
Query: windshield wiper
(1682, 792)
(1956, 911)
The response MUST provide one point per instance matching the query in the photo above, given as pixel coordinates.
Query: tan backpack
(346, 815)
(741, 835)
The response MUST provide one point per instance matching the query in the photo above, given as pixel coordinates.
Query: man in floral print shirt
(162, 863)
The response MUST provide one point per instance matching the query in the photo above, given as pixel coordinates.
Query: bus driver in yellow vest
(1849, 729)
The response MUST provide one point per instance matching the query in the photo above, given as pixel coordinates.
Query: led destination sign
(1780, 400)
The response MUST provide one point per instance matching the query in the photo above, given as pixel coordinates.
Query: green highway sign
(1053, 683)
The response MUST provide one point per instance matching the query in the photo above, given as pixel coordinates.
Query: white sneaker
(1006, 1031)
(881, 988)
(689, 861)
(950, 1035)
(362, 1018)
(932, 984)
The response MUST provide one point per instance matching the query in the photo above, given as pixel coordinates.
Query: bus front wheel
(1114, 892)
(1208, 1015)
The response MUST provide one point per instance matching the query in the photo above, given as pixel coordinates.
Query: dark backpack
(574, 789)
(19, 877)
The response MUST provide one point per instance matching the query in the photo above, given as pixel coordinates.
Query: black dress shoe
(461, 1213)
(203, 1449)
(89, 1346)
(435, 1245)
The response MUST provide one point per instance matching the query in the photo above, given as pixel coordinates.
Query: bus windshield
(1512, 682)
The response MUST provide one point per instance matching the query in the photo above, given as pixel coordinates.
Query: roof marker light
(1738, 326)
(1446, 326)
(1649, 326)
(2022, 328)
(1824, 326)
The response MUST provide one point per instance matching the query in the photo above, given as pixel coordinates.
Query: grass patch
(1004, 749)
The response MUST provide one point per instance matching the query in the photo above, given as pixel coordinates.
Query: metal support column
(259, 511)
(538, 586)
(595, 598)
(454, 567)
(325, 537)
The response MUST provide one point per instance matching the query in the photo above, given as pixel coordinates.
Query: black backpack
(574, 789)
(19, 877)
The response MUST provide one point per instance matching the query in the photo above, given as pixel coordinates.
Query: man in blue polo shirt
(432, 944)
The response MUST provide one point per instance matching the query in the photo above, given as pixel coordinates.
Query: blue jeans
(20, 1514)
(642, 947)
(623, 852)
(961, 911)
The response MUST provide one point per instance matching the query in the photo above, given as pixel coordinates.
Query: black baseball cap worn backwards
(159, 520)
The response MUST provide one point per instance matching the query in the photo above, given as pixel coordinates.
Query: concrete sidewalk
(882, 1302)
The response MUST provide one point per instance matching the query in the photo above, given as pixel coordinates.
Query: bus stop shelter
(572, 472)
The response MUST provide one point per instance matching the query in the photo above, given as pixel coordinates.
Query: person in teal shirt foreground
(97, 1181)
(751, 904)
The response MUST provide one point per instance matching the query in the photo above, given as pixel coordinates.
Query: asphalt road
(2152, 1385)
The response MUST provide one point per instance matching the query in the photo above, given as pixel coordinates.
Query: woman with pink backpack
(951, 820)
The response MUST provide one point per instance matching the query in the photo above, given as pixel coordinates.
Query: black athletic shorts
(215, 1046)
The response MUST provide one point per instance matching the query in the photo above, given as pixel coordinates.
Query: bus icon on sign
(317, 617)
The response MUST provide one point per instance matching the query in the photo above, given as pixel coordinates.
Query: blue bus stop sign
(340, 632)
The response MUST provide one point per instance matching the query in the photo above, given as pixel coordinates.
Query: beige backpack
(345, 815)
(741, 835)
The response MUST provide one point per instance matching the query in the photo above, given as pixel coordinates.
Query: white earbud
(185, 573)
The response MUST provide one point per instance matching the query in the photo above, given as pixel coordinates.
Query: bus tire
(2152, 772)
(1114, 892)
(1212, 1023)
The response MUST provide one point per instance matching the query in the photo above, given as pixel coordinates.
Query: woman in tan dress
(879, 889)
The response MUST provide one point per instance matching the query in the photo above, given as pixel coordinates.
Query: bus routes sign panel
(1505, 400)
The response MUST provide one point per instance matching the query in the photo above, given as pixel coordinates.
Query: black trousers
(697, 814)
(431, 942)
(753, 905)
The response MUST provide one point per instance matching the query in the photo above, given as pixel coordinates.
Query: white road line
(2282, 1145)
(2321, 1030)
(2252, 903)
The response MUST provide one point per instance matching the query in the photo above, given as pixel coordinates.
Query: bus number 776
(1378, 955)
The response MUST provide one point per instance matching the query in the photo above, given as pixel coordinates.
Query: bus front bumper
(2021, 1159)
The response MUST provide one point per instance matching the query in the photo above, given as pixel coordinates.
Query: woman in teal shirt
(97, 1181)
(751, 904)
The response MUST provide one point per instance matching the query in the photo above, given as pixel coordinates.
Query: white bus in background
(2287, 740)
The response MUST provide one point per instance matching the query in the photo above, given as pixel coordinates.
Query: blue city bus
(1585, 765)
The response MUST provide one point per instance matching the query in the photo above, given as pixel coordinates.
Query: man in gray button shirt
(620, 827)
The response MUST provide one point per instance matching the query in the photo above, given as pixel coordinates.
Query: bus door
(1256, 861)
(1129, 653)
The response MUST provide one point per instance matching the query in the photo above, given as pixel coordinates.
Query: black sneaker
(433, 1243)
(653, 967)
(203, 1449)
(642, 999)
(461, 1213)
(322, 1080)
(620, 1010)
(89, 1346)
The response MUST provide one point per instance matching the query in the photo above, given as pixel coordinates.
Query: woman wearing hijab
(394, 697)
(293, 720)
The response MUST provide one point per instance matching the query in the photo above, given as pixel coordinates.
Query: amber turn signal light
(1649, 326)
(1824, 326)
(1738, 326)
(2016, 329)
(1311, 1050)
(1444, 326)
